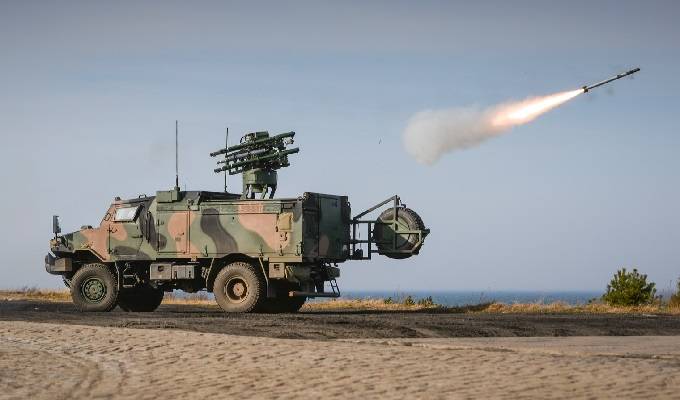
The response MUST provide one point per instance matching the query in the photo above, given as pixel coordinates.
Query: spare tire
(384, 232)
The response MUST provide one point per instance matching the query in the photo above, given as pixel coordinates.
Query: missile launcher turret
(257, 157)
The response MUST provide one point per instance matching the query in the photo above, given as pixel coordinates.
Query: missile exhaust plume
(432, 133)
(429, 134)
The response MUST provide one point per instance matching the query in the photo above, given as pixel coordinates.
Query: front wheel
(239, 287)
(94, 288)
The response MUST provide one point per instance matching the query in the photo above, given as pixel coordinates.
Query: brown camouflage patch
(264, 225)
(177, 225)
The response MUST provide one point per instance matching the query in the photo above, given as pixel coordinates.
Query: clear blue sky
(90, 92)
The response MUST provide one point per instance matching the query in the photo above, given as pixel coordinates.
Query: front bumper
(58, 265)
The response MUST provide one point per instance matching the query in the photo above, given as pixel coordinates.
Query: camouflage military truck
(254, 254)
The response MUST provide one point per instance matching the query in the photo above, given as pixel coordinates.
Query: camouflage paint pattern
(312, 228)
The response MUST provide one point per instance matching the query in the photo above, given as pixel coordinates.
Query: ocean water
(461, 298)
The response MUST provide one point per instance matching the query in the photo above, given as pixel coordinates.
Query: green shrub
(388, 300)
(408, 301)
(629, 289)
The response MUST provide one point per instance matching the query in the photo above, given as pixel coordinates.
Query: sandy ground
(58, 361)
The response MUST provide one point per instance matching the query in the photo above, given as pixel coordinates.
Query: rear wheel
(282, 302)
(293, 304)
(239, 287)
(143, 298)
(94, 288)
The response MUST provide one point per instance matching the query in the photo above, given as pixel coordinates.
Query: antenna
(176, 156)
(226, 144)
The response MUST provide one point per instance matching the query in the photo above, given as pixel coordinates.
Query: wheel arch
(85, 257)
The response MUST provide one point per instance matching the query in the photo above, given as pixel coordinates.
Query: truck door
(125, 236)
(331, 227)
(172, 232)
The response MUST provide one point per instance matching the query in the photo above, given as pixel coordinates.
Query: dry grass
(594, 308)
(363, 305)
(32, 293)
(203, 298)
(491, 308)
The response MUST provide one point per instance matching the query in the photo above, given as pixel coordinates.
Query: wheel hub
(93, 290)
(236, 289)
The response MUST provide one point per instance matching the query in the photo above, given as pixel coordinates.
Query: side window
(126, 214)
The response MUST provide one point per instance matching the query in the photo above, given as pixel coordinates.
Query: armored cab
(254, 254)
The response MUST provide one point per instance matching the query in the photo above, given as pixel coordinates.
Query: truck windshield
(126, 214)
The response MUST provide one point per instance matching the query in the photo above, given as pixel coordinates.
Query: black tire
(382, 234)
(293, 304)
(143, 298)
(282, 303)
(277, 305)
(240, 287)
(94, 288)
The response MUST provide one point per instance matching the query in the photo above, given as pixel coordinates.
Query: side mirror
(56, 229)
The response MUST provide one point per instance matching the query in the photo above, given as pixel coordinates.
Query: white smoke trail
(432, 133)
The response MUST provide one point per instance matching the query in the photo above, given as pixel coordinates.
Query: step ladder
(130, 279)
(334, 287)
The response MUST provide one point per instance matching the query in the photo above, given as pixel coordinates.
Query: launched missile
(613, 78)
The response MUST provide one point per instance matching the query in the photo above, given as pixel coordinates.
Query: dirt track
(350, 325)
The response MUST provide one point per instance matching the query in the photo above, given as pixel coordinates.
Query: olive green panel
(326, 226)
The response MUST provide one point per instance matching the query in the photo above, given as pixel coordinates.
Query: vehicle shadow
(25, 307)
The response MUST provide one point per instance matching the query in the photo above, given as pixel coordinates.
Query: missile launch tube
(254, 143)
(237, 167)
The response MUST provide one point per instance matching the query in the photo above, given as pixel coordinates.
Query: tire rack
(358, 254)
